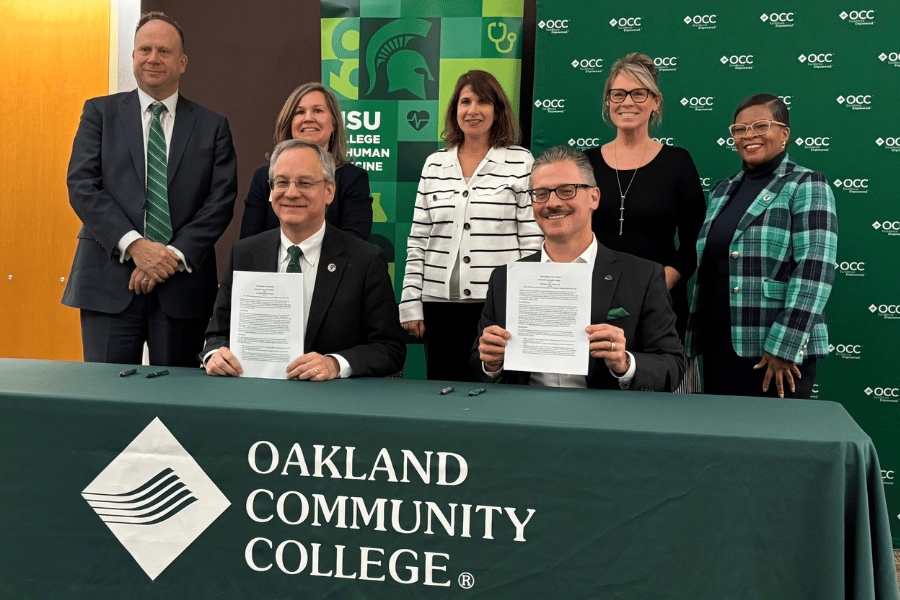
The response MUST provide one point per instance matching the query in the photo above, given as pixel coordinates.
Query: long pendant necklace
(625, 193)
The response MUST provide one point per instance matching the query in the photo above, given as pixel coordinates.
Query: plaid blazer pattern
(782, 268)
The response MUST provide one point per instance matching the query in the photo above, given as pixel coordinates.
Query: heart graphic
(418, 119)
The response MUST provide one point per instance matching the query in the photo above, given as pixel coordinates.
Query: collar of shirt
(588, 256)
(311, 247)
(146, 100)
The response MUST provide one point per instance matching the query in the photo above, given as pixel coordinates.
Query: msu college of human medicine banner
(836, 64)
(393, 65)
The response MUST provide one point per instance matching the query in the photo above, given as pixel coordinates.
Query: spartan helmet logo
(406, 69)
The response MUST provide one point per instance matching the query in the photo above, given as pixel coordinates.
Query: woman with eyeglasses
(472, 214)
(312, 113)
(767, 257)
(650, 193)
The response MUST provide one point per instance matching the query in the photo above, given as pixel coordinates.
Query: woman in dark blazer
(767, 255)
(312, 113)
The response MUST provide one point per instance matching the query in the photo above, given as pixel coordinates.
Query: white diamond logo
(720, 141)
(764, 18)
(840, 99)
(875, 225)
(880, 142)
(882, 57)
(684, 101)
(837, 183)
(799, 142)
(574, 63)
(537, 103)
(868, 391)
(843, 16)
(873, 309)
(687, 20)
(571, 142)
(155, 498)
(723, 60)
(831, 347)
(541, 24)
(801, 58)
(612, 22)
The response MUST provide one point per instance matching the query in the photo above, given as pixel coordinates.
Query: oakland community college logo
(155, 498)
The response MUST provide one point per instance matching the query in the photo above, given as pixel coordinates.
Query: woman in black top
(312, 113)
(650, 193)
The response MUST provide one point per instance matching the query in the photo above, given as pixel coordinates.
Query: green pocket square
(616, 313)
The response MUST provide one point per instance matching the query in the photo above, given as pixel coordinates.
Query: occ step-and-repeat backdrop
(836, 64)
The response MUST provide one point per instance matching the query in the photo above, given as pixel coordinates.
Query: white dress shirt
(167, 121)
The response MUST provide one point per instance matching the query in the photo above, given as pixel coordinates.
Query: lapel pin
(767, 198)
(608, 278)
(331, 268)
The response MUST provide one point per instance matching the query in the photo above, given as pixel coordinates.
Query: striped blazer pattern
(782, 265)
(486, 223)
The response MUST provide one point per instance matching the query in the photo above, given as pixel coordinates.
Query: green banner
(838, 71)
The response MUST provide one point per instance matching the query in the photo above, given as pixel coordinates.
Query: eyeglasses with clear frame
(567, 191)
(761, 127)
(282, 184)
(638, 95)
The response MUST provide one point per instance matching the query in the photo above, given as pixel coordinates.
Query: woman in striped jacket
(472, 214)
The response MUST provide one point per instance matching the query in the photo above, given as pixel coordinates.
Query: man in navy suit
(145, 266)
(352, 322)
(633, 342)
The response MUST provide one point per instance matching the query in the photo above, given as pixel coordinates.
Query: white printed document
(267, 323)
(548, 308)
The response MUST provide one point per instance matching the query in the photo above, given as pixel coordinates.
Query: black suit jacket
(351, 209)
(107, 190)
(353, 311)
(619, 281)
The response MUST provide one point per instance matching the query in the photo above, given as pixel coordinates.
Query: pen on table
(446, 390)
(157, 374)
(127, 372)
(477, 391)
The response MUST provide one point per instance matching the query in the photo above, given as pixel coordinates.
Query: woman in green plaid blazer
(767, 253)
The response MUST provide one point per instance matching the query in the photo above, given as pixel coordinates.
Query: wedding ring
(146, 279)
(612, 346)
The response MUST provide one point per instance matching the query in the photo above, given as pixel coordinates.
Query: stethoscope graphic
(511, 36)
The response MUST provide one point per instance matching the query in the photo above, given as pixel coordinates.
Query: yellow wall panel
(56, 55)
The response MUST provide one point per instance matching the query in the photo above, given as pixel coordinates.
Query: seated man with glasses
(352, 322)
(633, 342)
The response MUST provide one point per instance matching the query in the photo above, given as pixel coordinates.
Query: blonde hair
(640, 68)
(338, 143)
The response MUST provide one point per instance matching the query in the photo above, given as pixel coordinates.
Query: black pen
(446, 390)
(477, 391)
(157, 374)
(127, 373)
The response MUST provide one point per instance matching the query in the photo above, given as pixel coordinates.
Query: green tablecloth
(544, 493)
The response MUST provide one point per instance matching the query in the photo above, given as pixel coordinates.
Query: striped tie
(294, 263)
(159, 223)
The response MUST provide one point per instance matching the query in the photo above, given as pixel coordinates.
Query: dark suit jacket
(353, 312)
(107, 189)
(635, 284)
(351, 209)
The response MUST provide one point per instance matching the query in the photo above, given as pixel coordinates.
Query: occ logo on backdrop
(817, 60)
(666, 63)
(858, 17)
(778, 19)
(702, 21)
(814, 143)
(855, 102)
(738, 62)
(401, 59)
(891, 58)
(629, 24)
(890, 143)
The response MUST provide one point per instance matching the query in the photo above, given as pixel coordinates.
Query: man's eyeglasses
(563, 192)
(282, 184)
(639, 95)
(761, 127)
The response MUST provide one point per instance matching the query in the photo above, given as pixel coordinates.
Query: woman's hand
(672, 277)
(417, 328)
(781, 370)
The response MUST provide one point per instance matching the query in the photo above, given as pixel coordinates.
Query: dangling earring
(783, 144)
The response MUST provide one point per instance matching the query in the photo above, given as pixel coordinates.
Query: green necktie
(159, 223)
(294, 263)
